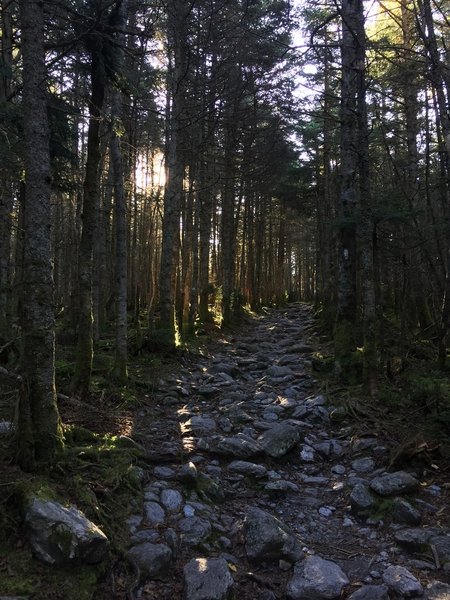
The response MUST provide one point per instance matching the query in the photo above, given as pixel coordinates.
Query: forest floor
(248, 456)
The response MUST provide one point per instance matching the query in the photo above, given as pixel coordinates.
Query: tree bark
(39, 428)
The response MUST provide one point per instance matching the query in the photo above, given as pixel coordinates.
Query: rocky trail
(258, 494)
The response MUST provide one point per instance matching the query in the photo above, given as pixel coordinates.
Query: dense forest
(169, 168)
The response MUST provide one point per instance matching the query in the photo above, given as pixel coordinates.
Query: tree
(39, 428)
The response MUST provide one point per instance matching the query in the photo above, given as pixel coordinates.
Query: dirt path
(256, 491)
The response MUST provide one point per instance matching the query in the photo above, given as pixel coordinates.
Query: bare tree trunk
(39, 428)
(175, 170)
(344, 334)
(85, 345)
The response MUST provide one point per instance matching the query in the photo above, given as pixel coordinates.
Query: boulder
(370, 592)
(392, 484)
(279, 439)
(248, 469)
(402, 582)
(63, 535)
(361, 500)
(315, 579)
(153, 560)
(194, 530)
(268, 539)
(207, 579)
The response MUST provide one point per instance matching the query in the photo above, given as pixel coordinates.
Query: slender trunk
(85, 348)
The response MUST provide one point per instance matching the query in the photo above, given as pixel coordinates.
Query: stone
(172, 500)
(437, 590)
(279, 439)
(188, 474)
(280, 486)
(194, 530)
(207, 579)
(441, 544)
(144, 535)
(361, 500)
(248, 469)
(164, 472)
(307, 454)
(392, 484)
(370, 592)
(63, 535)
(208, 489)
(277, 371)
(415, 538)
(154, 513)
(316, 579)
(240, 446)
(363, 465)
(6, 427)
(199, 426)
(153, 560)
(268, 539)
(402, 582)
(404, 513)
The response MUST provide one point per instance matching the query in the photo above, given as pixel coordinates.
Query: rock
(164, 472)
(392, 484)
(240, 446)
(279, 439)
(268, 539)
(316, 579)
(207, 579)
(414, 539)
(363, 465)
(6, 427)
(188, 474)
(199, 426)
(208, 391)
(307, 454)
(441, 544)
(404, 513)
(370, 592)
(172, 500)
(437, 590)
(280, 486)
(402, 582)
(361, 500)
(144, 535)
(153, 560)
(61, 535)
(154, 513)
(248, 469)
(208, 489)
(194, 530)
(277, 371)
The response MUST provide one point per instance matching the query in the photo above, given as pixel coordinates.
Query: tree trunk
(39, 428)
(85, 345)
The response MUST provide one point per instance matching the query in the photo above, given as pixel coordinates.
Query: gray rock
(268, 539)
(279, 439)
(437, 590)
(154, 513)
(208, 391)
(144, 535)
(281, 485)
(199, 426)
(188, 474)
(402, 582)
(316, 579)
(164, 472)
(277, 371)
(363, 465)
(361, 500)
(414, 539)
(194, 530)
(441, 544)
(248, 468)
(6, 427)
(153, 560)
(392, 484)
(61, 535)
(207, 579)
(240, 446)
(370, 592)
(307, 454)
(172, 500)
(404, 513)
